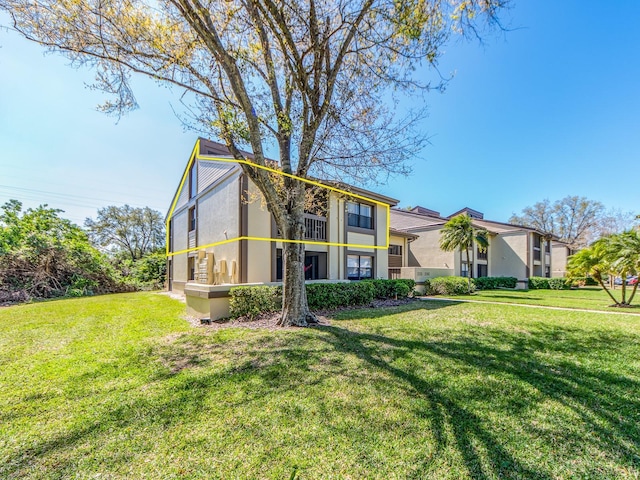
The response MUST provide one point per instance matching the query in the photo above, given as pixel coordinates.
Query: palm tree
(459, 233)
(625, 249)
(593, 261)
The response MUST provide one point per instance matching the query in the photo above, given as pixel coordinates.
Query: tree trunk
(469, 271)
(295, 309)
(633, 293)
(599, 279)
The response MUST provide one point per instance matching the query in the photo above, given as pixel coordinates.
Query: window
(464, 270)
(359, 267)
(359, 215)
(536, 247)
(547, 272)
(192, 219)
(547, 247)
(395, 250)
(193, 180)
(482, 270)
(482, 255)
(191, 268)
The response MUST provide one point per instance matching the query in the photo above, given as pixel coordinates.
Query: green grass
(590, 298)
(120, 387)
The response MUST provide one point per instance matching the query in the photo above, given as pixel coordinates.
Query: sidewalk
(464, 300)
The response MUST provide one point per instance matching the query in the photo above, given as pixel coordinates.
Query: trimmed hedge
(400, 288)
(493, 283)
(252, 301)
(542, 283)
(450, 286)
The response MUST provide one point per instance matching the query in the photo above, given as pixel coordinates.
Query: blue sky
(548, 109)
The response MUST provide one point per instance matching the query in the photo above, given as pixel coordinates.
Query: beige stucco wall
(259, 226)
(425, 252)
(559, 258)
(335, 234)
(180, 239)
(218, 221)
(381, 263)
(508, 255)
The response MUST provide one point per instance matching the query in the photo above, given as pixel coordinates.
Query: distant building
(514, 251)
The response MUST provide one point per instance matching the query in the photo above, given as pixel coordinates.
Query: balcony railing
(315, 228)
(192, 239)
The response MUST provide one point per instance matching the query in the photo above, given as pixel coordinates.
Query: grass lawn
(120, 387)
(591, 298)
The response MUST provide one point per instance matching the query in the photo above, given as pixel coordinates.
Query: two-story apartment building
(221, 233)
(514, 251)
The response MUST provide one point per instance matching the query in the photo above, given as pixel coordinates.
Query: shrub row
(493, 283)
(449, 286)
(252, 301)
(542, 283)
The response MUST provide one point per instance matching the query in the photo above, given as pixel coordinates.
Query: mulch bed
(269, 321)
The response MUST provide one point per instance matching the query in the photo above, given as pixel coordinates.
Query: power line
(70, 199)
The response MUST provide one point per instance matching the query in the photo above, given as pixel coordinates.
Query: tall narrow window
(193, 180)
(192, 219)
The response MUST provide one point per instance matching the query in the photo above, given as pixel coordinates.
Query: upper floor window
(193, 180)
(359, 215)
(395, 249)
(482, 253)
(192, 219)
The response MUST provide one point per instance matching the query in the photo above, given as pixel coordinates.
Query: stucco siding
(259, 253)
(425, 252)
(217, 219)
(508, 256)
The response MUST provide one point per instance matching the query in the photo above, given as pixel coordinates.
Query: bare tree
(315, 79)
(575, 220)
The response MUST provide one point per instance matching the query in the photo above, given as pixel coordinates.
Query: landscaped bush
(400, 288)
(542, 283)
(450, 286)
(335, 295)
(252, 301)
(493, 283)
(583, 282)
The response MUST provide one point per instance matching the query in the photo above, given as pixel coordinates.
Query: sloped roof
(211, 171)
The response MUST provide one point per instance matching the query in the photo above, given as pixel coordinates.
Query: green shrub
(542, 283)
(583, 282)
(400, 288)
(335, 295)
(493, 283)
(450, 286)
(252, 301)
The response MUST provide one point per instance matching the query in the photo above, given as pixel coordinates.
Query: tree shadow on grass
(599, 398)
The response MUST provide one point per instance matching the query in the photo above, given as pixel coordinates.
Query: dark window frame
(193, 219)
(358, 220)
(360, 268)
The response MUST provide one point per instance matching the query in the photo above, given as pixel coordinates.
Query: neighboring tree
(459, 234)
(575, 220)
(132, 231)
(315, 79)
(43, 255)
(593, 261)
(614, 256)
